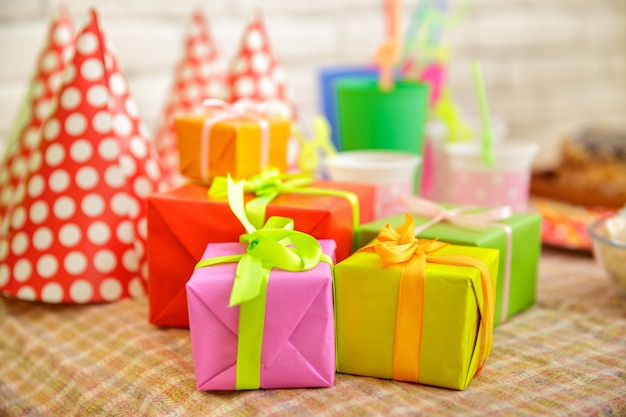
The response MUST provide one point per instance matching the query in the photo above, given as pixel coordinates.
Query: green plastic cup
(370, 118)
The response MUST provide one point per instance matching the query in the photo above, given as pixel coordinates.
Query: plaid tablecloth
(565, 356)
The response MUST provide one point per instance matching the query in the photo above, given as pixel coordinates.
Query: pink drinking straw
(388, 53)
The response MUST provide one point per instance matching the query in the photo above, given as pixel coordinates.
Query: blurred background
(551, 68)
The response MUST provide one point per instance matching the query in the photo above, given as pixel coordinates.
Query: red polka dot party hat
(36, 106)
(256, 74)
(78, 227)
(200, 74)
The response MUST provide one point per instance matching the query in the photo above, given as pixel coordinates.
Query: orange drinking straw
(388, 53)
(392, 8)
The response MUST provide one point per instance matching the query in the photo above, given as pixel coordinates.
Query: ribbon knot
(268, 181)
(271, 181)
(463, 216)
(398, 246)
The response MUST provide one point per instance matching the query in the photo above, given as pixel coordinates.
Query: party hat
(36, 106)
(77, 226)
(200, 74)
(256, 74)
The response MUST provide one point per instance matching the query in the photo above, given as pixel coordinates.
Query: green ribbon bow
(270, 183)
(276, 244)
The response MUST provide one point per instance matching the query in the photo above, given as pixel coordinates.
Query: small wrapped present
(261, 311)
(235, 139)
(415, 310)
(183, 220)
(517, 237)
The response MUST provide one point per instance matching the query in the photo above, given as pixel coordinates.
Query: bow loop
(462, 216)
(243, 107)
(310, 147)
(265, 108)
(398, 246)
(391, 254)
(269, 245)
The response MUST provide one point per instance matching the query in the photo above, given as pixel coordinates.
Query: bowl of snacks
(608, 234)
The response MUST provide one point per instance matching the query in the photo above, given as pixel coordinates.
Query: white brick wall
(550, 66)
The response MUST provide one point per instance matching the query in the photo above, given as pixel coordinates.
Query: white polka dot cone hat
(200, 74)
(256, 74)
(77, 234)
(36, 106)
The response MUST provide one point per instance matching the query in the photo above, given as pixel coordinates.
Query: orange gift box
(182, 221)
(233, 146)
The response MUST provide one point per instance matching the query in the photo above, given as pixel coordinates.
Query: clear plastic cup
(392, 173)
(506, 183)
(435, 164)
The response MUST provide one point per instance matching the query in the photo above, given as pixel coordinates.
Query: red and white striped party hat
(256, 73)
(77, 230)
(200, 74)
(36, 106)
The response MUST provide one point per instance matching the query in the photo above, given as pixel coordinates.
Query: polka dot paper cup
(392, 173)
(506, 183)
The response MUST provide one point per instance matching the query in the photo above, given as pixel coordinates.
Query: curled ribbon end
(236, 203)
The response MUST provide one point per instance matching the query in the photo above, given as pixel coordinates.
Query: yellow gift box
(423, 318)
(210, 148)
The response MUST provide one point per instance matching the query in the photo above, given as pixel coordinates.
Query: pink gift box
(298, 337)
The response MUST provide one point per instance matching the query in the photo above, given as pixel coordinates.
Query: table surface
(564, 356)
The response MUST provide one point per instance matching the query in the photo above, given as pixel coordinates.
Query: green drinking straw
(486, 135)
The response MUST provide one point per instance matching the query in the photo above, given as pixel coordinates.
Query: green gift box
(517, 237)
(418, 311)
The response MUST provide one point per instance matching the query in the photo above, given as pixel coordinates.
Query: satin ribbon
(468, 216)
(276, 244)
(401, 247)
(270, 183)
(241, 109)
(310, 148)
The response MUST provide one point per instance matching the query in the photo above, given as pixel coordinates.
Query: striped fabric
(565, 356)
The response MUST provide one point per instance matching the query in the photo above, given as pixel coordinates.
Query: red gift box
(182, 221)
